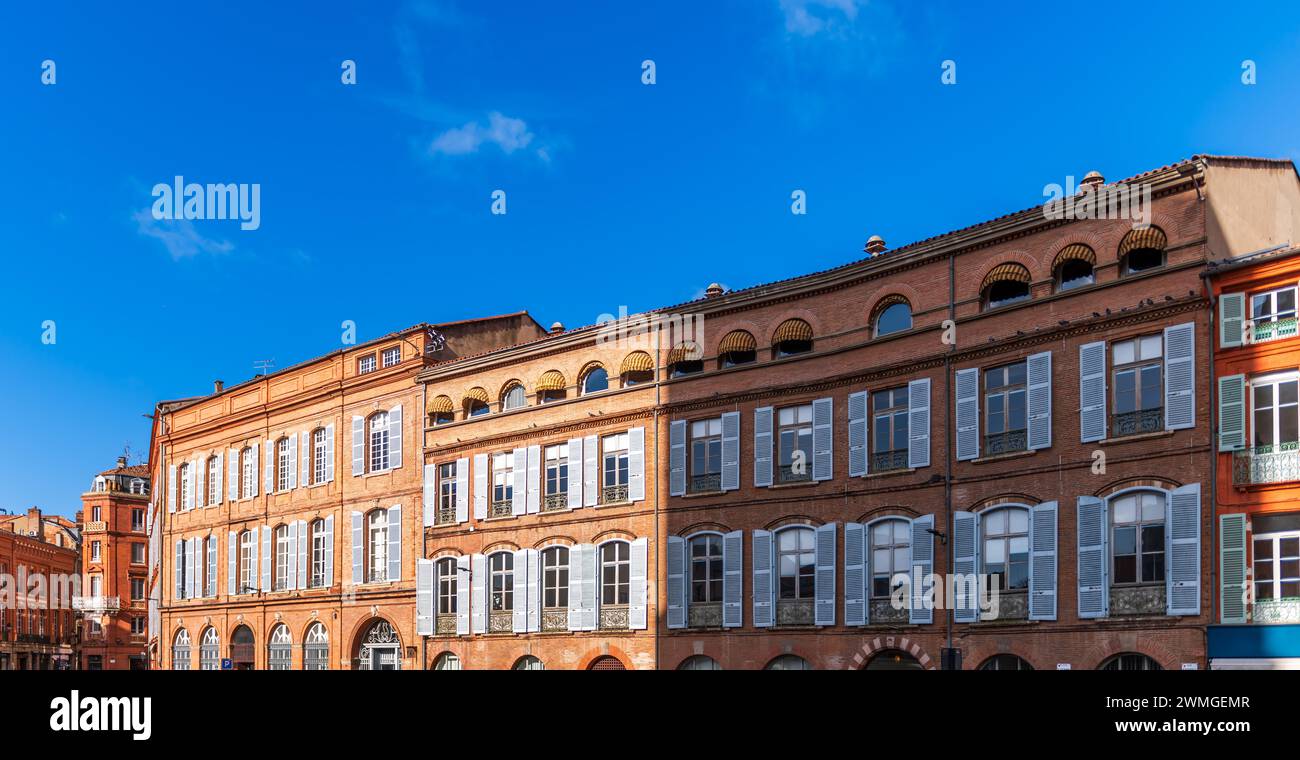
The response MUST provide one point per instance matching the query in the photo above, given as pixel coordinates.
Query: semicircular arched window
(1004, 285)
(595, 380)
(1005, 662)
(737, 347)
(1130, 661)
(637, 368)
(475, 403)
(316, 648)
(699, 662)
(550, 386)
(788, 662)
(1073, 267)
(685, 358)
(894, 314)
(280, 649)
(181, 650)
(793, 336)
(440, 410)
(514, 396)
(1142, 250)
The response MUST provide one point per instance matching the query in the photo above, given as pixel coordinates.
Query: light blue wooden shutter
(824, 444)
(1183, 527)
(171, 488)
(763, 591)
(763, 447)
(918, 423)
(478, 595)
(395, 437)
(576, 566)
(462, 489)
(965, 567)
(590, 585)
(266, 557)
(430, 493)
(1042, 561)
(1038, 371)
(519, 489)
(922, 610)
(268, 470)
(462, 595)
(1093, 575)
(854, 568)
(257, 448)
(968, 413)
(424, 585)
(293, 461)
(1232, 568)
(857, 438)
(395, 543)
(1232, 413)
(358, 446)
(178, 569)
(232, 475)
(212, 566)
(1092, 391)
(232, 564)
(573, 499)
(824, 575)
(199, 494)
(519, 606)
(1180, 376)
(534, 590)
(534, 479)
(329, 453)
(253, 545)
(220, 494)
(291, 564)
(677, 458)
(305, 458)
(731, 451)
(635, 464)
(590, 471)
(304, 546)
(733, 560)
(482, 489)
(1232, 320)
(676, 566)
(192, 571)
(187, 498)
(329, 551)
(358, 548)
(638, 607)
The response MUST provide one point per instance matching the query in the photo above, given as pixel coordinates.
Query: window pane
(1125, 541)
(1125, 510)
(1123, 352)
(1125, 569)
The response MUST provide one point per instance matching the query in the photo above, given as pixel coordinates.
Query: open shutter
(534, 590)
(857, 437)
(763, 448)
(733, 561)
(575, 587)
(968, 414)
(590, 584)
(1094, 584)
(922, 610)
(212, 565)
(854, 569)
(482, 489)
(590, 471)
(1180, 376)
(188, 496)
(268, 467)
(1042, 561)
(232, 475)
(329, 551)
(266, 557)
(677, 458)
(358, 446)
(1232, 568)
(519, 491)
(257, 448)
(307, 460)
(824, 575)
(575, 473)
(394, 543)
(430, 493)
(965, 537)
(534, 479)
(1092, 391)
(200, 493)
(171, 488)
(478, 596)
(232, 564)
(731, 451)
(763, 591)
(676, 564)
(462, 595)
(304, 553)
(217, 485)
(519, 581)
(638, 592)
(635, 464)
(918, 423)
(1232, 319)
(254, 544)
(1038, 371)
(1183, 578)
(424, 585)
(358, 549)
(1232, 413)
(462, 489)
(293, 461)
(395, 437)
(329, 452)
(291, 566)
(824, 444)
(178, 569)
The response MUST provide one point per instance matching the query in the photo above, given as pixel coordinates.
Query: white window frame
(377, 546)
(318, 453)
(378, 448)
(248, 472)
(391, 356)
(1274, 380)
(282, 465)
(319, 540)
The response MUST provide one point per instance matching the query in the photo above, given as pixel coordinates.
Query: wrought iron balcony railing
(501, 508)
(1266, 464)
(96, 603)
(706, 483)
(884, 461)
(1263, 332)
(1138, 422)
(555, 502)
(1005, 443)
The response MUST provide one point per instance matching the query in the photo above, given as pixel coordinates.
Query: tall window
(1273, 305)
(613, 450)
(1006, 546)
(247, 572)
(555, 577)
(891, 553)
(1005, 420)
(319, 547)
(557, 477)
(514, 398)
(447, 586)
(1274, 421)
(95, 547)
(1139, 388)
(316, 648)
(282, 558)
(214, 471)
(595, 381)
(392, 356)
(280, 649)
(889, 429)
(137, 589)
(503, 483)
(137, 553)
(184, 476)
(1138, 538)
(796, 562)
(378, 442)
(210, 650)
(706, 569)
(96, 514)
(794, 443)
(706, 455)
(446, 493)
(1277, 567)
(501, 576)
(181, 651)
(248, 471)
(615, 572)
(378, 532)
(282, 464)
(137, 519)
(318, 456)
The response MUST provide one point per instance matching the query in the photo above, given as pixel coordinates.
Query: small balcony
(710, 482)
(613, 494)
(445, 516)
(1264, 332)
(1266, 464)
(1005, 443)
(98, 526)
(96, 604)
(1138, 422)
(501, 508)
(555, 502)
(884, 461)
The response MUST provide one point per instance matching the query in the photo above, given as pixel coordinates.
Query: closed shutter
(519, 490)
(232, 475)
(219, 495)
(257, 448)
(824, 575)
(731, 451)
(482, 489)
(194, 571)
(635, 464)
(329, 551)
(178, 568)
(305, 459)
(424, 585)
(253, 575)
(395, 437)
(1092, 391)
(304, 552)
(965, 567)
(268, 469)
(763, 447)
(1038, 371)
(1232, 413)
(519, 604)
(1042, 561)
(462, 595)
(232, 564)
(968, 414)
(590, 585)
(1232, 320)
(534, 590)
(638, 591)
(677, 458)
(358, 549)
(212, 565)
(329, 453)
(1093, 578)
(187, 498)
(824, 444)
(854, 569)
(918, 423)
(199, 496)
(575, 587)
(358, 446)
(291, 565)
(1180, 376)
(462, 489)
(394, 543)
(575, 474)
(1183, 578)
(266, 557)
(590, 471)
(676, 564)
(478, 594)
(922, 610)
(534, 479)
(1232, 568)
(857, 435)
(430, 493)
(733, 562)
(763, 591)
(293, 461)
(171, 488)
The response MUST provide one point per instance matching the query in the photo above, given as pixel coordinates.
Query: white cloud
(508, 134)
(178, 236)
(808, 18)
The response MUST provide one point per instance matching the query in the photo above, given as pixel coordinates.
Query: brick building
(38, 630)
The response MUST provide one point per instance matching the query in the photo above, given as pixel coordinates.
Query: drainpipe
(655, 422)
(1214, 474)
(424, 535)
(948, 428)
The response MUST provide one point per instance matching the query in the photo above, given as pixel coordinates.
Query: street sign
(227, 664)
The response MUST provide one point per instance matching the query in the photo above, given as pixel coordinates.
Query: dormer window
(366, 364)
(392, 356)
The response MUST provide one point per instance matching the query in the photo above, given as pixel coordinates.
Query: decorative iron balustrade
(555, 502)
(1263, 332)
(1285, 610)
(501, 508)
(1138, 422)
(613, 494)
(614, 618)
(1006, 443)
(445, 516)
(97, 603)
(788, 473)
(707, 483)
(884, 461)
(1266, 464)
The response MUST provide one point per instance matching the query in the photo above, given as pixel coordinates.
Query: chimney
(121, 462)
(36, 526)
(713, 291)
(557, 328)
(1092, 180)
(217, 386)
(875, 245)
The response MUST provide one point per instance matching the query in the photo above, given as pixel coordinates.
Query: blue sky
(375, 197)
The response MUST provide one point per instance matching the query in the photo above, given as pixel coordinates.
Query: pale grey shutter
(575, 474)
(268, 470)
(1180, 376)
(293, 461)
(395, 437)
(1183, 528)
(257, 448)
(212, 566)
(824, 575)
(394, 543)
(199, 497)
(267, 557)
(329, 452)
(178, 568)
(857, 440)
(731, 451)
(217, 485)
(430, 493)
(733, 561)
(253, 545)
(534, 590)
(590, 584)
(291, 566)
(232, 475)
(918, 423)
(922, 610)
(854, 568)
(968, 413)
(462, 596)
(677, 458)
(171, 488)
(638, 591)
(462, 489)
(304, 551)
(763, 448)
(519, 581)
(482, 489)
(187, 498)
(358, 446)
(191, 570)
(534, 479)
(763, 586)
(478, 596)
(329, 551)
(1093, 578)
(1038, 371)
(1232, 568)
(824, 445)
(358, 548)
(232, 564)
(635, 464)
(1042, 561)
(1232, 320)
(575, 587)
(590, 471)
(519, 490)
(1092, 391)
(676, 565)
(305, 459)
(1232, 413)
(965, 538)
(424, 597)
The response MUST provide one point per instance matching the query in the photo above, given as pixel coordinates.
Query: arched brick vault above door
(880, 643)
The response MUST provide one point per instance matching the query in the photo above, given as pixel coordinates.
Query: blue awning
(1247, 641)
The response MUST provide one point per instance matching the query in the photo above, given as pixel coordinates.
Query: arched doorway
(1130, 661)
(379, 648)
(894, 659)
(242, 650)
(1006, 662)
(607, 663)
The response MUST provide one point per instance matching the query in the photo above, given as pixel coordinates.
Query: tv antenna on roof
(263, 365)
